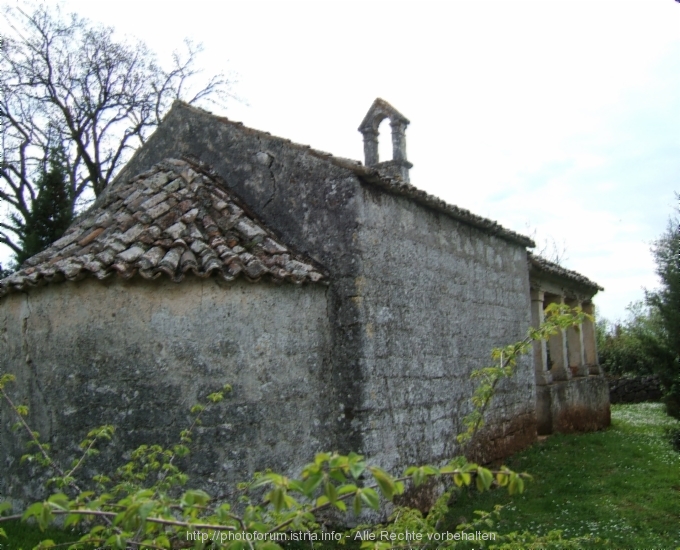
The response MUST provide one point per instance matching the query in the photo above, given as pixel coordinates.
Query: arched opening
(385, 141)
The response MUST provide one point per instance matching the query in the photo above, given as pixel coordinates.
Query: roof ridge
(540, 263)
(387, 183)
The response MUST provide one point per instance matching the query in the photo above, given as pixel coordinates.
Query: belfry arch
(399, 165)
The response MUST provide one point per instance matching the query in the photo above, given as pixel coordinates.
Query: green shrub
(637, 346)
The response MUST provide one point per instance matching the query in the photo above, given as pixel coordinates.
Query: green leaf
(295, 485)
(384, 480)
(4, 507)
(484, 479)
(33, 510)
(216, 397)
(191, 498)
(337, 475)
(370, 497)
(356, 502)
(116, 541)
(345, 489)
(418, 477)
(516, 484)
(320, 458)
(461, 479)
(278, 498)
(145, 509)
(312, 482)
(356, 464)
(163, 541)
(330, 492)
(6, 378)
(59, 500)
(72, 519)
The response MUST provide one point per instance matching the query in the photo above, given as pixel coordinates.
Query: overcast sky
(559, 117)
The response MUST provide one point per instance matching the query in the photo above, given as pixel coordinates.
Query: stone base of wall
(577, 405)
(499, 442)
(635, 390)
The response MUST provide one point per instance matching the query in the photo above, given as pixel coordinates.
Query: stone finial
(379, 111)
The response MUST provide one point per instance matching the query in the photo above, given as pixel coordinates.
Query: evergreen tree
(50, 216)
(667, 301)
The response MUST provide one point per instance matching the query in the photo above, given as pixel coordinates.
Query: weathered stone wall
(576, 405)
(436, 296)
(416, 299)
(308, 202)
(378, 362)
(635, 390)
(139, 354)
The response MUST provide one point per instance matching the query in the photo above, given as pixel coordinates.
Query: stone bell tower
(398, 166)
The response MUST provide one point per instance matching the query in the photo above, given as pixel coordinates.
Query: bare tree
(68, 84)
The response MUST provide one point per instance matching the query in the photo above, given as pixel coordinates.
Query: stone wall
(416, 298)
(308, 202)
(635, 390)
(378, 362)
(436, 297)
(576, 405)
(139, 354)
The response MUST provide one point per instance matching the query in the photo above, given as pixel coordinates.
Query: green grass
(622, 484)
(26, 536)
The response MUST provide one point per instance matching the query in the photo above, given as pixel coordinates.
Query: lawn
(622, 484)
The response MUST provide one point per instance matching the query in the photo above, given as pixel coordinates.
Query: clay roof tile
(128, 234)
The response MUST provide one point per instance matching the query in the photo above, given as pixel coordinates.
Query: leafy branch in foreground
(143, 503)
(140, 504)
(557, 317)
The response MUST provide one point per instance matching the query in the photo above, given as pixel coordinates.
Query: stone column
(543, 376)
(590, 343)
(370, 147)
(398, 140)
(557, 344)
(575, 351)
(399, 149)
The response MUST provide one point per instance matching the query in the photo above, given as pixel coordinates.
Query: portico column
(543, 376)
(590, 343)
(575, 351)
(557, 344)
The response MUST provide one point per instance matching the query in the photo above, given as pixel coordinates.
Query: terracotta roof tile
(171, 220)
(537, 263)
